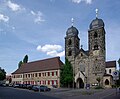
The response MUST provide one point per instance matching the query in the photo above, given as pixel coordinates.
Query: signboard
(116, 75)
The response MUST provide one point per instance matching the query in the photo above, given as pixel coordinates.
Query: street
(61, 93)
(13, 93)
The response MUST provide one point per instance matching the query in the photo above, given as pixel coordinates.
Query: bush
(99, 87)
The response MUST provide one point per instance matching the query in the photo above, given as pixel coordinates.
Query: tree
(98, 79)
(25, 60)
(118, 82)
(2, 74)
(66, 75)
(19, 64)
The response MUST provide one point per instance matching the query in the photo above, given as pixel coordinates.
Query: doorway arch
(80, 83)
(107, 82)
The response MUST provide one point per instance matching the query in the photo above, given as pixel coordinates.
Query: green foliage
(118, 81)
(99, 87)
(25, 60)
(19, 64)
(66, 75)
(119, 62)
(2, 74)
(98, 79)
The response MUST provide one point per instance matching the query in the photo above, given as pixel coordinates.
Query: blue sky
(38, 27)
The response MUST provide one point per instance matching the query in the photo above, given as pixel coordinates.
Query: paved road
(12, 93)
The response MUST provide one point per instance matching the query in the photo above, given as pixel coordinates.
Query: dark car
(41, 88)
(25, 86)
(30, 87)
(17, 86)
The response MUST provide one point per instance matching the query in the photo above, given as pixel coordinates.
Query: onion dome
(96, 23)
(72, 31)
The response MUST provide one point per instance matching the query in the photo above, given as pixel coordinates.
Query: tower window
(96, 47)
(69, 42)
(109, 70)
(81, 54)
(95, 35)
(69, 53)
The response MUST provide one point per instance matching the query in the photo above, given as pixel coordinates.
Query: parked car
(3, 85)
(30, 87)
(17, 86)
(41, 88)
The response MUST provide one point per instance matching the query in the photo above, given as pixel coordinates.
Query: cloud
(4, 18)
(38, 17)
(52, 50)
(14, 6)
(79, 1)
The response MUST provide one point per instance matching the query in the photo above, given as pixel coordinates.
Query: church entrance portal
(80, 83)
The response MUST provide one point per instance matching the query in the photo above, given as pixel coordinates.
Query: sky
(37, 28)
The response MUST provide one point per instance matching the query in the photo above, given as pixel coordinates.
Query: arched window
(95, 35)
(69, 42)
(109, 70)
(96, 47)
(105, 72)
(81, 54)
(69, 53)
(106, 82)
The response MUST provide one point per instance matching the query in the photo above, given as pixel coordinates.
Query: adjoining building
(42, 72)
(88, 65)
(108, 81)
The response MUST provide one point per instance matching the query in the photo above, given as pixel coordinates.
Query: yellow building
(42, 72)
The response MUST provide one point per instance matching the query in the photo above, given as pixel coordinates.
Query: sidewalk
(81, 93)
(114, 96)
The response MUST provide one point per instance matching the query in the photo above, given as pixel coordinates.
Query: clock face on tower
(96, 52)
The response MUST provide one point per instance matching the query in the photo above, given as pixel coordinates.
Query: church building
(88, 65)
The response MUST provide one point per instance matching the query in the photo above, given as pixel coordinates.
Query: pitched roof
(40, 65)
(107, 75)
(85, 52)
(110, 64)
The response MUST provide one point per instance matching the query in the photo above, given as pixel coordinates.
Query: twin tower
(88, 65)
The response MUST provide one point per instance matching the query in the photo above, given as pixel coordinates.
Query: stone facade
(87, 65)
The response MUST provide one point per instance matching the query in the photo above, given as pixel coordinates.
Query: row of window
(55, 73)
(44, 82)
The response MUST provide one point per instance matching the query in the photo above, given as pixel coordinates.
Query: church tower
(97, 51)
(71, 43)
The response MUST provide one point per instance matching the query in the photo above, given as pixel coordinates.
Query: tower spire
(96, 10)
(72, 21)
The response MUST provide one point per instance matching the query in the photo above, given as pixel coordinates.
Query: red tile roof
(40, 65)
(110, 64)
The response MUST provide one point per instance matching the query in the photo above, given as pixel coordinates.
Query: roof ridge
(43, 60)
